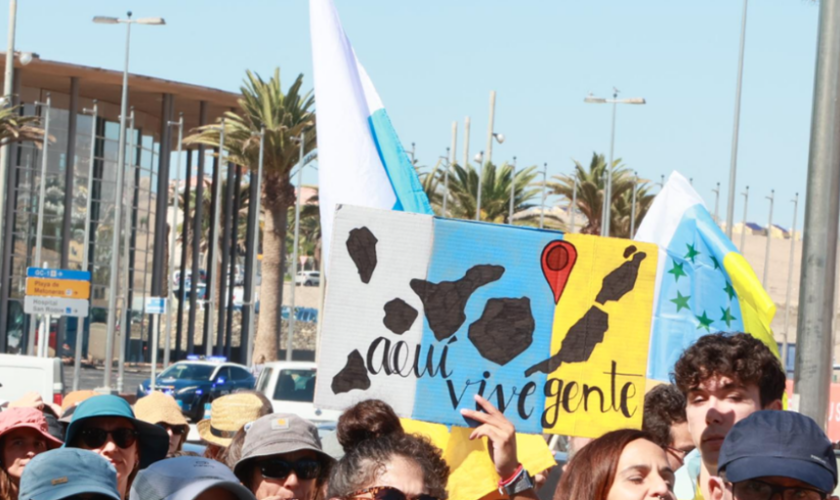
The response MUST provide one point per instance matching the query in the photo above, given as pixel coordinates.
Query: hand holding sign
(501, 433)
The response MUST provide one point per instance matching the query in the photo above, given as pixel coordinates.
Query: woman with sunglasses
(24, 433)
(106, 425)
(162, 409)
(400, 466)
(282, 458)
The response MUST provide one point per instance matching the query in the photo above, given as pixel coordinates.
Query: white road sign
(56, 306)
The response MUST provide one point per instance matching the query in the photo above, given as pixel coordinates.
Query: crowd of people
(718, 431)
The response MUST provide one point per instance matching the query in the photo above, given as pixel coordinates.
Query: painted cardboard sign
(425, 312)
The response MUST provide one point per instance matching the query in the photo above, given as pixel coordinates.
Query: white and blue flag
(360, 158)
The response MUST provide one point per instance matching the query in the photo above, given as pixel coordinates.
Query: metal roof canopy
(145, 92)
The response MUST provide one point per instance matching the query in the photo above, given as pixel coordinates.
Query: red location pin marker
(558, 259)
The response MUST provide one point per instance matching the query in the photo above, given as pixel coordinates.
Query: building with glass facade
(76, 136)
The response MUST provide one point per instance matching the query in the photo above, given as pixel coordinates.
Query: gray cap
(67, 472)
(185, 478)
(277, 434)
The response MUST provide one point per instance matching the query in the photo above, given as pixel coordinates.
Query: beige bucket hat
(159, 408)
(228, 414)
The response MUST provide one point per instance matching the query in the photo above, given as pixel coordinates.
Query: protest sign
(424, 313)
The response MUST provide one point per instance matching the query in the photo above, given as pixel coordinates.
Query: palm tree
(590, 195)
(495, 193)
(17, 128)
(285, 116)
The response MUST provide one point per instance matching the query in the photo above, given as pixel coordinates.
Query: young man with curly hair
(664, 418)
(725, 378)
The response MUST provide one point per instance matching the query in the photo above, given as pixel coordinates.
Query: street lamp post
(512, 190)
(633, 206)
(291, 322)
(172, 239)
(115, 238)
(39, 235)
(746, 195)
(80, 331)
(769, 236)
(491, 134)
(574, 204)
(733, 160)
(716, 190)
(254, 221)
(8, 81)
(479, 158)
(785, 344)
(127, 287)
(211, 292)
(449, 160)
(542, 205)
(615, 101)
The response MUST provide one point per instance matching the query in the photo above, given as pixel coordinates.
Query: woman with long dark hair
(620, 465)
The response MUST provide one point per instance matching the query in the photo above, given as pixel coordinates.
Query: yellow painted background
(626, 340)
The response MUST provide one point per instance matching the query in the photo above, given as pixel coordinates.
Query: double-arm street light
(115, 237)
(605, 223)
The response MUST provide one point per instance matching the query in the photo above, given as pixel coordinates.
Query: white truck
(290, 385)
(23, 374)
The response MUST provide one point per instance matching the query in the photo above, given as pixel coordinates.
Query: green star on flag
(705, 322)
(727, 316)
(677, 270)
(681, 301)
(692, 252)
(716, 263)
(729, 290)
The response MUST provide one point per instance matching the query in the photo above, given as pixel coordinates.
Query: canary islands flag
(703, 284)
(360, 159)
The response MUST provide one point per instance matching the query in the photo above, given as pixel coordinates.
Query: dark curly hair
(664, 407)
(739, 356)
(367, 419)
(362, 466)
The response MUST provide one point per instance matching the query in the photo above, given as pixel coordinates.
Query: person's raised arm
(513, 478)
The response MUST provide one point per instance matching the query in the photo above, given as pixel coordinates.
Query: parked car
(196, 382)
(308, 278)
(290, 385)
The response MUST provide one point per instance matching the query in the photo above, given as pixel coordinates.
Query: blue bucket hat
(67, 472)
(152, 440)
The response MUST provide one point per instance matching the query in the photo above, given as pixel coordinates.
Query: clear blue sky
(435, 61)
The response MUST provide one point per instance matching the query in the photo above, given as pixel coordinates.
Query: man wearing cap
(69, 473)
(188, 478)
(775, 454)
(161, 409)
(282, 457)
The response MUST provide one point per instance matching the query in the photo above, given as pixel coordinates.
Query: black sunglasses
(176, 429)
(387, 493)
(94, 437)
(276, 468)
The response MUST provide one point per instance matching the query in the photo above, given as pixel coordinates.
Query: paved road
(91, 378)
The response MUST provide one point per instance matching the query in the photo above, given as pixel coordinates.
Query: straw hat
(159, 408)
(74, 398)
(228, 414)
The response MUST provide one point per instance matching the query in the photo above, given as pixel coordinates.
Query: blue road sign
(155, 305)
(58, 274)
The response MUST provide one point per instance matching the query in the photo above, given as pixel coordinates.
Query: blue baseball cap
(66, 472)
(185, 478)
(152, 440)
(778, 443)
